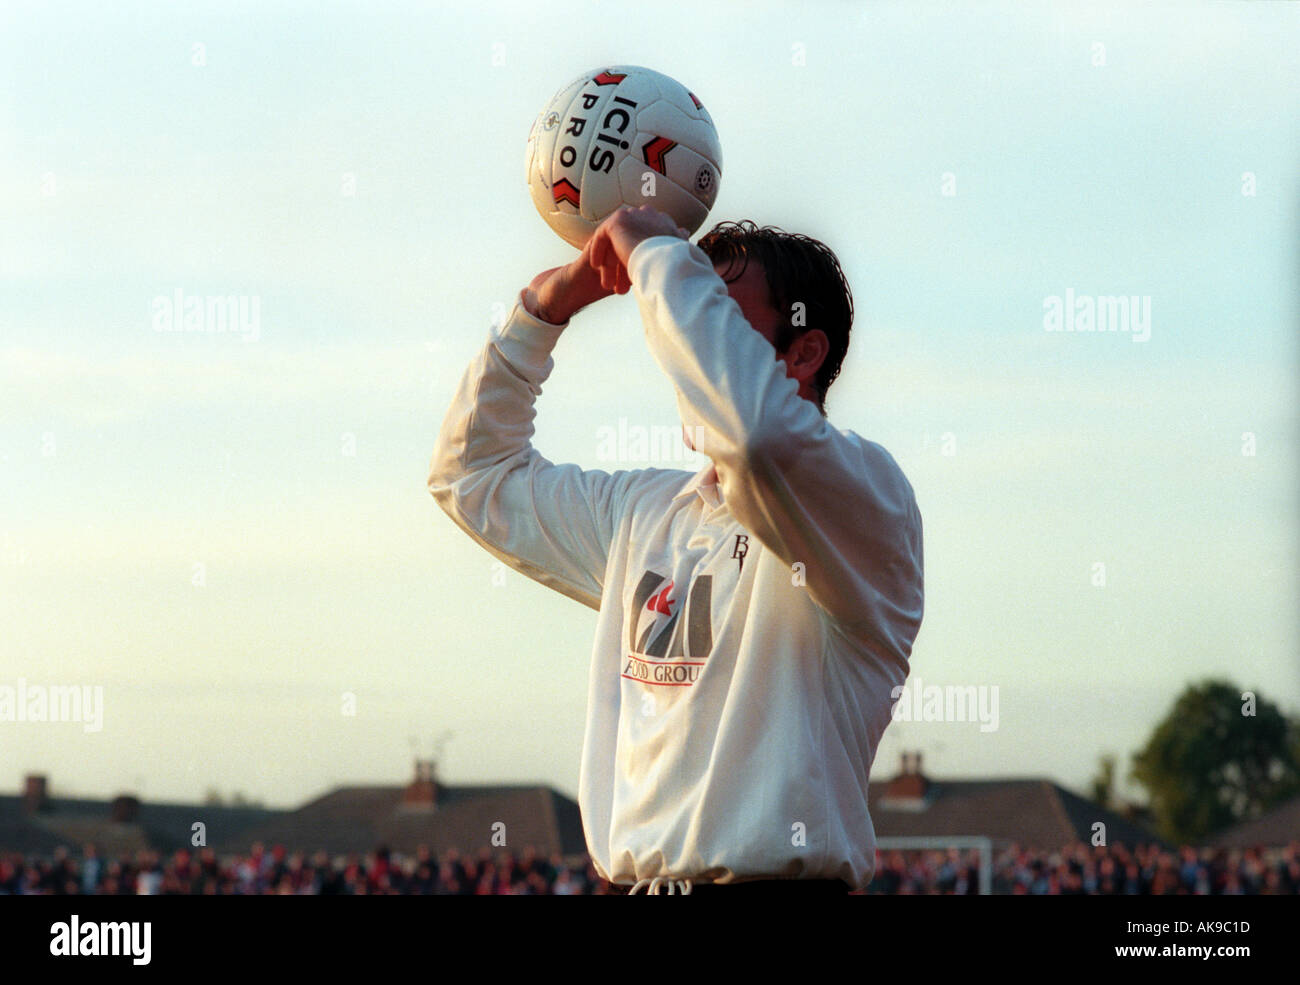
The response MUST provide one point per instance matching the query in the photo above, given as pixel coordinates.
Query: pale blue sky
(128, 456)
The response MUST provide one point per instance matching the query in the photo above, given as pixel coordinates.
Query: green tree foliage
(1102, 785)
(1222, 755)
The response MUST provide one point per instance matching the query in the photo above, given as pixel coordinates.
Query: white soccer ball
(622, 136)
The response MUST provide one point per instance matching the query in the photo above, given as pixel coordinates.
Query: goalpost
(983, 845)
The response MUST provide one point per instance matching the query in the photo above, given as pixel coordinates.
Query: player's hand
(612, 243)
(600, 270)
(556, 295)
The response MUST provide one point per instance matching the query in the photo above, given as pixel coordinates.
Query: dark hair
(798, 269)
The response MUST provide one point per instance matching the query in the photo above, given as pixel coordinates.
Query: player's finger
(604, 260)
(608, 257)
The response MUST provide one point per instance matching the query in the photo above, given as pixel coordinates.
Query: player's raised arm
(831, 502)
(551, 522)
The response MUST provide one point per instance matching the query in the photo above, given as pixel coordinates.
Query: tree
(1103, 784)
(1221, 756)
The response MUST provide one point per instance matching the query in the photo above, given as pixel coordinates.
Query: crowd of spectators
(1077, 869)
(279, 872)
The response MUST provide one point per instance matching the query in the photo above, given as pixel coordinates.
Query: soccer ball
(622, 136)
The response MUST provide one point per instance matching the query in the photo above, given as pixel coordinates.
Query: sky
(229, 533)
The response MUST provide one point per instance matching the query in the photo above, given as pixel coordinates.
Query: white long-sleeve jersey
(753, 618)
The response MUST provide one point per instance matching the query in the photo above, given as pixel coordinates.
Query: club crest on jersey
(669, 631)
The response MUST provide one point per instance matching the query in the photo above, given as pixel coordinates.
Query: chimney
(422, 792)
(124, 809)
(909, 790)
(35, 794)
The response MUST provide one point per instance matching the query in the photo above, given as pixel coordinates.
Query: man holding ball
(755, 617)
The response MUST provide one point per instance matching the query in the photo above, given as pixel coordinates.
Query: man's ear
(807, 353)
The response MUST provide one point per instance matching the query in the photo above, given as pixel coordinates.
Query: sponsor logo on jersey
(669, 631)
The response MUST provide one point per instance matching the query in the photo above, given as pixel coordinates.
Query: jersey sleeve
(829, 501)
(553, 523)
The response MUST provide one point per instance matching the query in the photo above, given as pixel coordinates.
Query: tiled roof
(1273, 829)
(1033, 813)
(162, 827)
(358, 819)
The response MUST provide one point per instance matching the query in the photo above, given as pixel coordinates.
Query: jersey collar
(705, 484)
